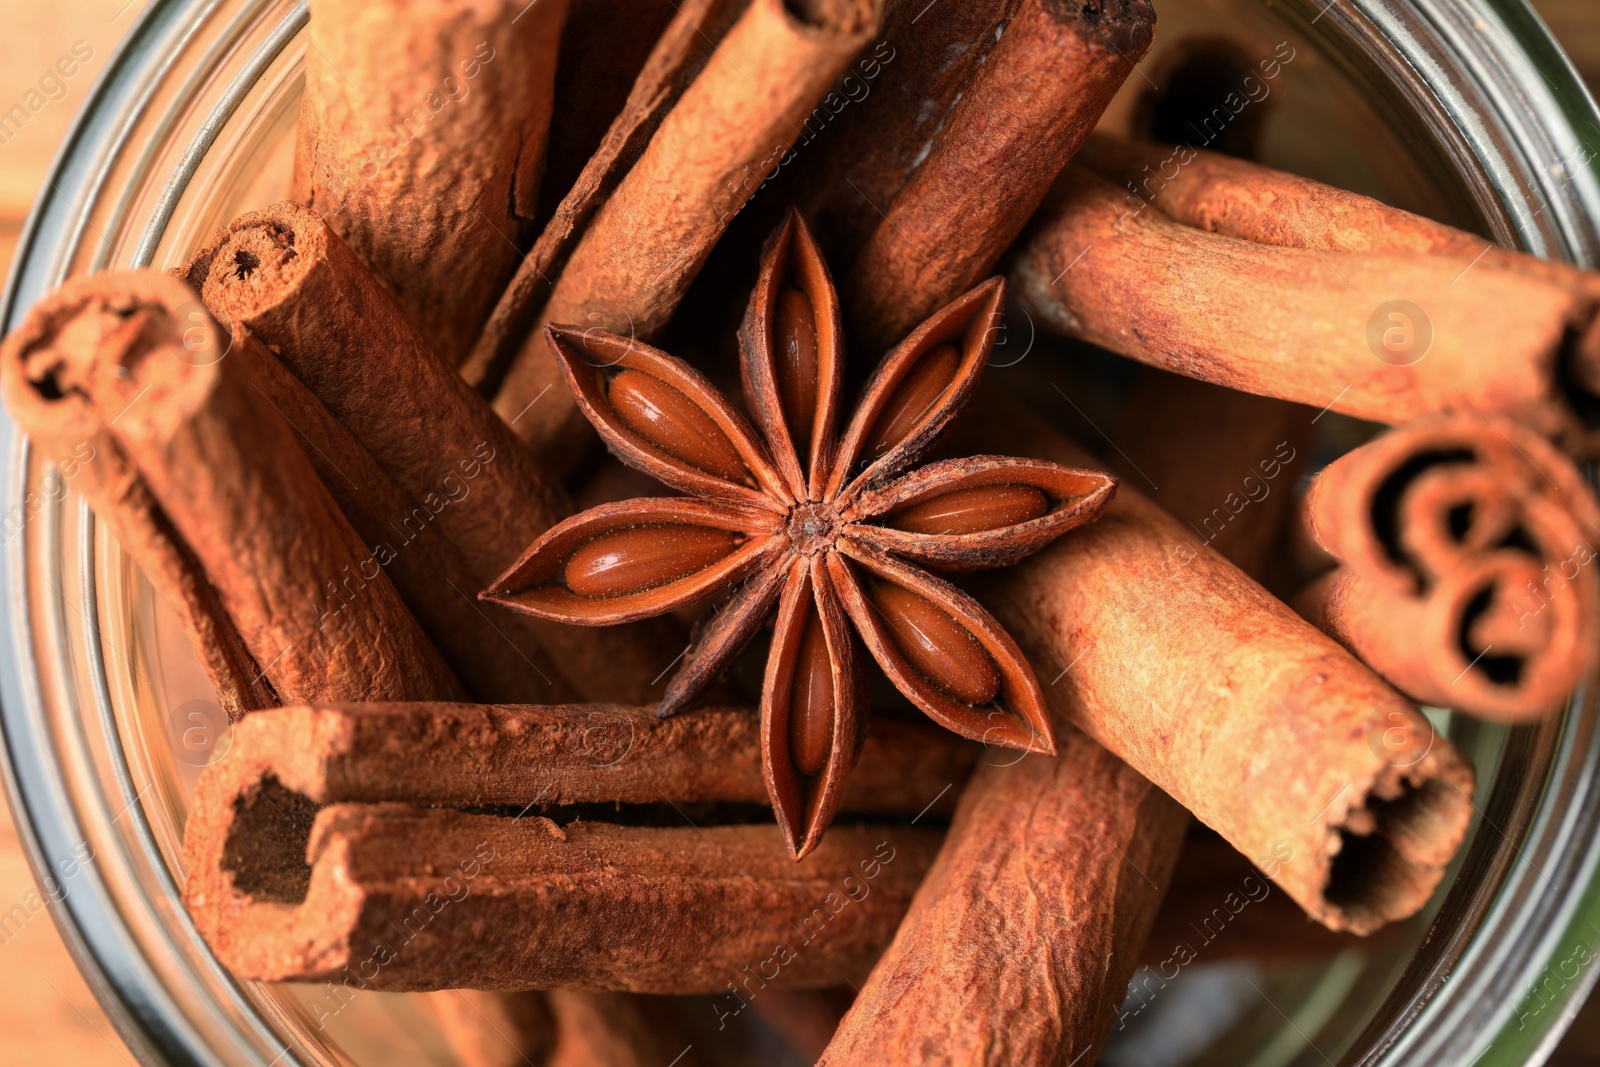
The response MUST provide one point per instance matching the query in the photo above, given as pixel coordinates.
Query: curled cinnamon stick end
(297, 871)
(1268, 731)
(1019, 945)
(643, 247)
(1037, 94)
(1467, 549)
(42, 365)
(1298, 323)
(422, 140)
(289, 279)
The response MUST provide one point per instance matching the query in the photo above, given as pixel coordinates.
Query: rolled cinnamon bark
(1269, 732)
(1037, 94)
(57, 346)
(1467, 580)
(616, 1030)
(1226, 195)
(429, 898)
(426, 569)
(710, 153)
(677, 58)
(292, 282)
(422, 139)
(1301, 324)
(475, 755)
(493, 1029)
(1019, 945)
(308, 599)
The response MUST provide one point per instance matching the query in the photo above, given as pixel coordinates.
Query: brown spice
(493, 1029)
(302, 590)
(710, 153)
(677, 58)
(1020, 943)
(814, 532)
(290, 280)
(618, 1030)
(57, 346)
(1301, 324)
(1036, 95)
(427, 570)
(1170, 657)
(1467, 548)
(422, 139)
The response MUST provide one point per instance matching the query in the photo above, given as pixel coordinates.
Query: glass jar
(1463, 109)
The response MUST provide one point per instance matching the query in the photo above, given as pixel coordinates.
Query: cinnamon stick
(472, 755)
(616, 1030)
(1268, 731)
(493, 1029)
(1467, 581)
(1019, 945)
(677, 58)
(1301, 324)
(648, 240)
(427, 570)
(292, 282)
(56, 346)
(422, 139)
(1028, 106)
(302, 590)
(415, 898)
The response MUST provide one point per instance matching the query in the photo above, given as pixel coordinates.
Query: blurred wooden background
(47, 1014)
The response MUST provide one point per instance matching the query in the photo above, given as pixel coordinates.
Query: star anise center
(813, 526)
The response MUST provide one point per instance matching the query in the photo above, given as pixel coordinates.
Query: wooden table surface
(47, 1014)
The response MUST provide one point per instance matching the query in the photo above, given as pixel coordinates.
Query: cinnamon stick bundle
(711, 151)
(422, 138)
(1302, 324)
(428, 898)
(55, 346)
(282, 274)
(1467, 581)
(229, 478)
(1266, 730)
(1020, 943)
(679, 55)
(1038, 92)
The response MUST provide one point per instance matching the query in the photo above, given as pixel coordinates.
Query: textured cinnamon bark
(57, 345)
(1300, 324)
(1221, 194)
(306, 596)
(1467, 548)
(426, 569)
(677, 58)
(1265, 729)
(616, 1030)
(494, 1029)
(412, 899)
(289, 279)
(474, 755)
(1020, 943)
(422, 139)
(710, 153)
(1221, 462)
(1037, 94)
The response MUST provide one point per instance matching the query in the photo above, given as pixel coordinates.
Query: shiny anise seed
(643, 557)
(916, 394)
(795, 338)
(984, 507)
(936, 645)
(673, 423)
(811, 702)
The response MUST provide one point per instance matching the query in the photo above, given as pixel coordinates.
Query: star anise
(825, 527)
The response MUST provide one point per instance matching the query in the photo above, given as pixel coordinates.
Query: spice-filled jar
(1463, 110)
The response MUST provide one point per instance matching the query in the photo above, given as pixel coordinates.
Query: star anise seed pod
(826, 527)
